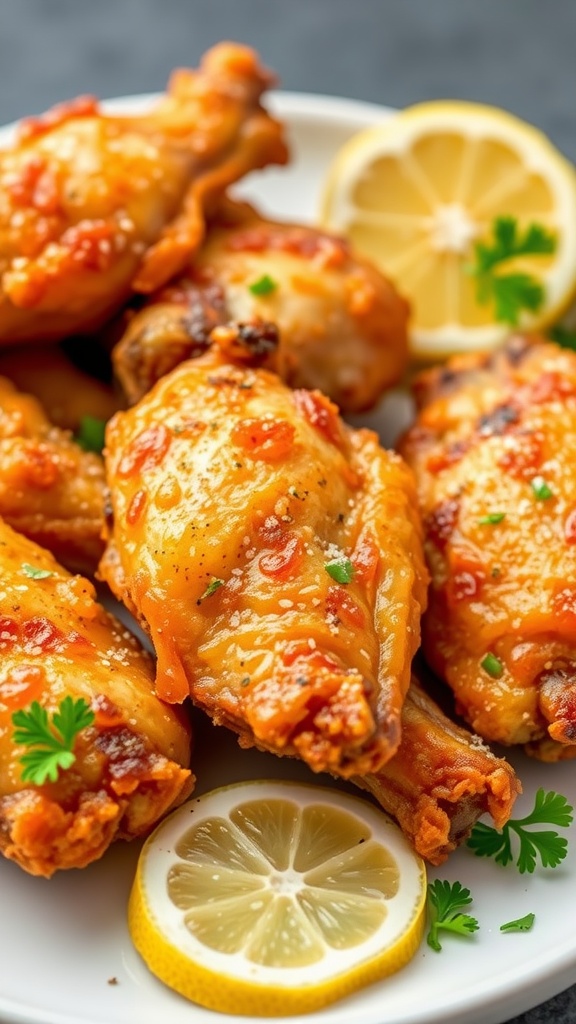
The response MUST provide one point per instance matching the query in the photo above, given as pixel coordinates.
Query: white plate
(66, 957)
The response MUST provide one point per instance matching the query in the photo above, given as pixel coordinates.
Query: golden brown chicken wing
(441, 780)
(274, 557)
(50, 489)
(131, 763)
(342, 325)
(66, 393)
(494, 450)
(95, 206)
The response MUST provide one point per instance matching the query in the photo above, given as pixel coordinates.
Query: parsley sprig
(515, 291)
(564, 336)
(549, 809)
(50, 739)
(446, 901)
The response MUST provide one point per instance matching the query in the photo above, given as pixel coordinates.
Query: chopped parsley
(492, 665)
(90, 434)
(542, 490)
(263, 286)
(340, 569)
(212, 587)
(34, 573)
(521, 924)
(492, 518)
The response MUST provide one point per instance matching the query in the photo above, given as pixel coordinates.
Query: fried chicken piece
(441, 780)
(494, 451)
(50, 489)
(96, 206)
(342, 325)
(66, 393)
(131, 764)
(274, 557)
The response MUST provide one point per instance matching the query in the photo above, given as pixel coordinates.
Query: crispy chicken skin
(50, 489)
(65, 392)
(131, 764)
(441, 780)
(95, 206)
(494, 451)
(231, 493)
(342, 325)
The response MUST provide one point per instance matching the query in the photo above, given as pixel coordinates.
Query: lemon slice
(416, 192)
(274, 898)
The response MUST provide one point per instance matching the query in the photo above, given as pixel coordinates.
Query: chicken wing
(50, 489)
(441, 780)
(342, 325)
(66, 393)
(131, 763)
(494, 451)
(95, 206)
(274, 557)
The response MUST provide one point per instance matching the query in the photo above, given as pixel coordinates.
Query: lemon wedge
(275, 898)
(415, 193)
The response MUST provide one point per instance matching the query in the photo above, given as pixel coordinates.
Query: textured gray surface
(519, 54)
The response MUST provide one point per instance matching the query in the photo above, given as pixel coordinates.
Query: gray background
(519, 54)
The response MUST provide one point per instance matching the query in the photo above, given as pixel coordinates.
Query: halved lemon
(415, 194)
(275, 898)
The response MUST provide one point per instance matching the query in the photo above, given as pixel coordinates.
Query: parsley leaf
(549, 808)
(512, 292)
(51, 741)
(340, 569)
(563, 336)
(90, 435)
(521, 924)
(445, 903)
(34, 573)
(492, 518)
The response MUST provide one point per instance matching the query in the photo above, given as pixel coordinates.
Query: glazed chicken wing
(342, 326)
(131, 763)
(95, 206)
(494, 450)
(66, 393)
(50, 489)
(274, 557)
(441, 780)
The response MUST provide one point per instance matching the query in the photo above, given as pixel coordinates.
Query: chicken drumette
(95, 206)
(341, 325)
(130, 765)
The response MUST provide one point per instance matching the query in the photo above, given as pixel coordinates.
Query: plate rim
(504, 999)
